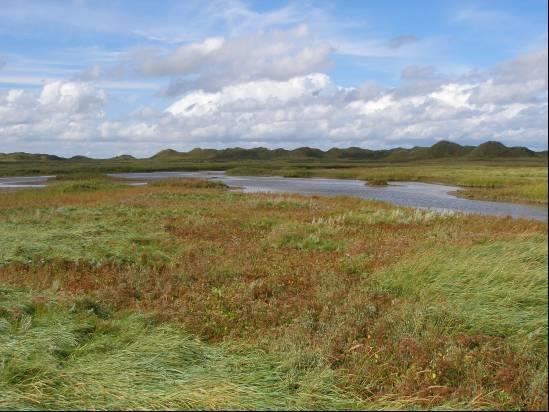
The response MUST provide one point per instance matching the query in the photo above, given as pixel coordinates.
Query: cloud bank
(269, 90)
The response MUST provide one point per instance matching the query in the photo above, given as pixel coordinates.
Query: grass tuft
(69, 357)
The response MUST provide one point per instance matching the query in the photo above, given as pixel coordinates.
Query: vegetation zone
(183, 294)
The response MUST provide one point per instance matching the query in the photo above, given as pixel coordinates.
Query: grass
(189, 183)
(498, 288)
(184, 295)
(60, 354)
(79, 233)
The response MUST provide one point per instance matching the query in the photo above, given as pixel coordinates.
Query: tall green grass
(124, 234)
(75, 355)
(497, 288)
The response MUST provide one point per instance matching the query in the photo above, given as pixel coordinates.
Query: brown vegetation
(298, 277)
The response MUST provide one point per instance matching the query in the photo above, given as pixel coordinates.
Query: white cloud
(217, 62)
(504, 103)
(61, 112)
(454, 95)
(251, 95)
(517, 80)
(71, 97)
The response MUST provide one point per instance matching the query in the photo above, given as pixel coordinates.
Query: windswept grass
(128, 236)
(185, 295)
(59, 354)
(498, 288)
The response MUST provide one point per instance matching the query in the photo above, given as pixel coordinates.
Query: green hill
(123, 157)
(306, 153)
(444, 148)
(496, 149)
(167, 154)
(355, 153)
(237, 153)
(441, 150)
(22, 156)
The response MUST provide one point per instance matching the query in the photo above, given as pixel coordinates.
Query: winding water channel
(415, 194)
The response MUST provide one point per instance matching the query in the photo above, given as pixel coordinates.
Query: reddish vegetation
(237, 276)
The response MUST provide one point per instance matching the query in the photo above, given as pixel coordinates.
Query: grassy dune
(184, 295)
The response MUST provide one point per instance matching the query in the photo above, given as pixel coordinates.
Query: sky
(103, 78)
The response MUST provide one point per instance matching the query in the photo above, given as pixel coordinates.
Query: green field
(184, 295)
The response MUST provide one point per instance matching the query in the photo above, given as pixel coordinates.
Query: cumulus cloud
(216, 62)
(262, 94)
(520, 80)
(61, 112)
(507, 102)
(312, 110)
(71, 97)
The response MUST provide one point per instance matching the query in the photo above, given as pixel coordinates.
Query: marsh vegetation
(182, 294)
(490, 171)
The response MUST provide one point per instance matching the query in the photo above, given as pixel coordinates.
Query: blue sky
(109, 77)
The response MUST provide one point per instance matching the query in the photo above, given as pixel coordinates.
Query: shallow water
(19, 182)
(415, 194)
